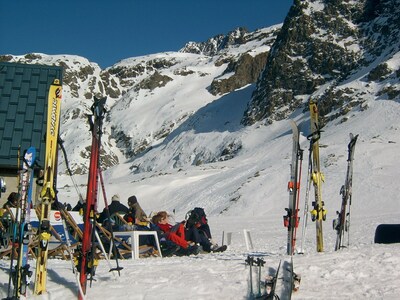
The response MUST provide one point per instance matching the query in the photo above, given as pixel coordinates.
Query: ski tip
(116, 269)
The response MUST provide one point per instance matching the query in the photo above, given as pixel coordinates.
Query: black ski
(342, 222)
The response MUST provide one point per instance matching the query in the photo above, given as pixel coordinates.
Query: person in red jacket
(175, 234)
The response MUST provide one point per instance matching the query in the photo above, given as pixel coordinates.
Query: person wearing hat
(114, 207)
(135, 214)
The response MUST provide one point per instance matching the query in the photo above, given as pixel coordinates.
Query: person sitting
(198, 230)
(175, 234)
(114, 207)
(79, 206)
(137, 219)
(12, 200)
(195, 235)
(135, 214)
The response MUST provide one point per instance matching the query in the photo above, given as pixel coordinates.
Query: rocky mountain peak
(215, 44)
(321, 44)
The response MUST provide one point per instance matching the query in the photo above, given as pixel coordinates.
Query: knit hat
(13, 197)
(132, 200)
(115, 197)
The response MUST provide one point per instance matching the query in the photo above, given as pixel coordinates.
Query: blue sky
(106, 31)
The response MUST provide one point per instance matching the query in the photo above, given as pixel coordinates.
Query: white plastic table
(134, 235)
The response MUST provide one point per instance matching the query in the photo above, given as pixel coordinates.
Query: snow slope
(249, 192)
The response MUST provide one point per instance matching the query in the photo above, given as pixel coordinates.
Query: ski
(270, 284)
(342, 222)
(23, 271)
(307, 198)
(250, 261)
(318, 213)
(19, 274)
(288, 281)
(291, 220)
(294, 279)
(86, 257)
(291, 277)
(48, 193)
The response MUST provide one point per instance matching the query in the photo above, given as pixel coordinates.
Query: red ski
(87, 261)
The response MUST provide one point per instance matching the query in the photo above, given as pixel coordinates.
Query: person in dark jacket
(198, 231)
(114, 207)
(12, 200)
(79, 205)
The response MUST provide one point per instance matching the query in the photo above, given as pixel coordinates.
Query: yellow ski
(48, 193)
(318, 214)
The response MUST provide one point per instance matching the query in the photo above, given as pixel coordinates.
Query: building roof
(24, 90)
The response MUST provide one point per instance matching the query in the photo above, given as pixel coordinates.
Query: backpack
(196, 216)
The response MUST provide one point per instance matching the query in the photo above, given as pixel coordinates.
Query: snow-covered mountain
(198, 128)
(341, 53)
(164, 108)
(151, 96)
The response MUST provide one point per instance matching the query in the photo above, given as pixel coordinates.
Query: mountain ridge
(131, 80)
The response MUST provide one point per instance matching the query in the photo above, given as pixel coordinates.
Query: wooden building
(24, 91)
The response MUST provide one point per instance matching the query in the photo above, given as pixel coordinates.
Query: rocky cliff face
(322, 44)
(244, 67)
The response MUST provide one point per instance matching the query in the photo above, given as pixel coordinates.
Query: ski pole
(296, 216)
(115, 250)
(250, 262)
(260, 263)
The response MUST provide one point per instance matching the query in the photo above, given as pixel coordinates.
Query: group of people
(190, 236)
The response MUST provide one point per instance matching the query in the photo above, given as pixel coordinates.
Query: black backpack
(196, 216)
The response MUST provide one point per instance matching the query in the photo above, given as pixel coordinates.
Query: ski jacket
(175, 234)
(114, 207)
